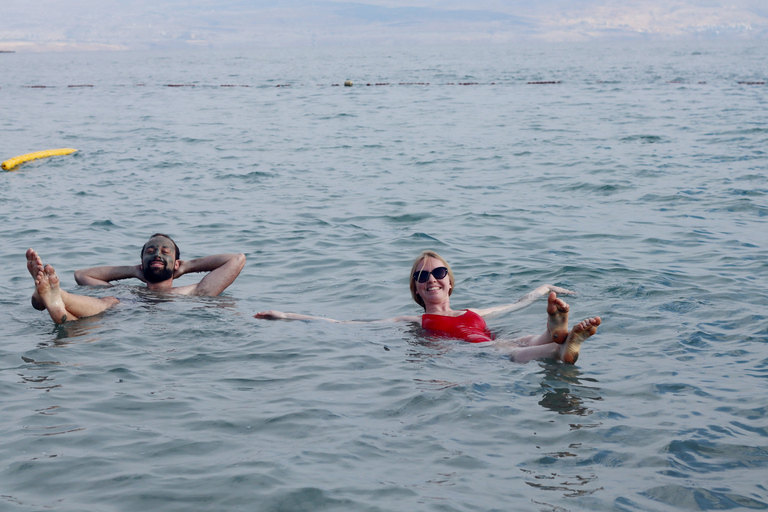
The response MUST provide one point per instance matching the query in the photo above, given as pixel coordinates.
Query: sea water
(632, 173)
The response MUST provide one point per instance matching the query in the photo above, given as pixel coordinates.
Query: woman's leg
(522, 351)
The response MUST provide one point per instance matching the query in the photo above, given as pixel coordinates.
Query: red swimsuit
(468, 327)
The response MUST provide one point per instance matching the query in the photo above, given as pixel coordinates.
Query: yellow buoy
(13, 162)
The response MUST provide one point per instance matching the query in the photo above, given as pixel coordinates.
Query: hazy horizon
(142, 24)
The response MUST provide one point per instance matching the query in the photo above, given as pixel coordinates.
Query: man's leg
(61, 305)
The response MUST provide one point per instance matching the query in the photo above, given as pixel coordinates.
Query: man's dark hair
(175, 247)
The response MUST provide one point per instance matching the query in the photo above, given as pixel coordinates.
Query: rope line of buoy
(17, 160)
(349, 83)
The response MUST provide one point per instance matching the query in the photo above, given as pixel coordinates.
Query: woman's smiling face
(433, 290)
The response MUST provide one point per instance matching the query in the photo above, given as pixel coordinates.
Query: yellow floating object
(13, 162)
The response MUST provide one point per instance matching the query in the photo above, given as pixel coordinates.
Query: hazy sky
(138, 24)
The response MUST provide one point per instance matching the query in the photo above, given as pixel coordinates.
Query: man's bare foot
(557, 322)
(35, 265)
(47, 288)
(569, 352)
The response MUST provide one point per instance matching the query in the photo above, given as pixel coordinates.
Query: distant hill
(139, 24)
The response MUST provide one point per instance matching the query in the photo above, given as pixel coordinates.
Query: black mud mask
(157, 274)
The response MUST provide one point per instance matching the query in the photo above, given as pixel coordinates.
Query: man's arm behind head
(222, 270)
(102, 276)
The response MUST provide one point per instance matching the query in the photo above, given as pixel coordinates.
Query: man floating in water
(160, 265)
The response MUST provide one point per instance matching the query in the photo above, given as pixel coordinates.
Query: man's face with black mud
(158, 260)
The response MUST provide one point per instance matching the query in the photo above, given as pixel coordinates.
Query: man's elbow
(80, 277)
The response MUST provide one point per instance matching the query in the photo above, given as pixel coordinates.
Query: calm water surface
(638, 180)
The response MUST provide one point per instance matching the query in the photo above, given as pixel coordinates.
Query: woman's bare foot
(557, 321)
(569, 351)
(49, 293)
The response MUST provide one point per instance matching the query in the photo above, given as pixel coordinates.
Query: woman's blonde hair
(420, 261)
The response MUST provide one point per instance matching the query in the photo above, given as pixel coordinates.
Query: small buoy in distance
(348, 83)
(17, 160)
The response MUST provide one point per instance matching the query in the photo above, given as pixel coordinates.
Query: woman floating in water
(431, 286)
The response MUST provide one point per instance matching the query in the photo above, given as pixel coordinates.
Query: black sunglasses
(422, 276)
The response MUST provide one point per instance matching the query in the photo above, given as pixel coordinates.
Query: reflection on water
(422, 347)
(77, 331)
(563, 391)
(438, 385)
(569, 485)
(43, 382)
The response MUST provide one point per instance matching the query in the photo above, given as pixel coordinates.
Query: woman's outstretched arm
(280, 315)
(526, 300)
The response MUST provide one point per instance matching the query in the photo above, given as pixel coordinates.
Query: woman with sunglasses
(431, 286)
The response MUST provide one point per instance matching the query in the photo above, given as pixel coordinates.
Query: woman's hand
(272, 315)
(561, 291)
